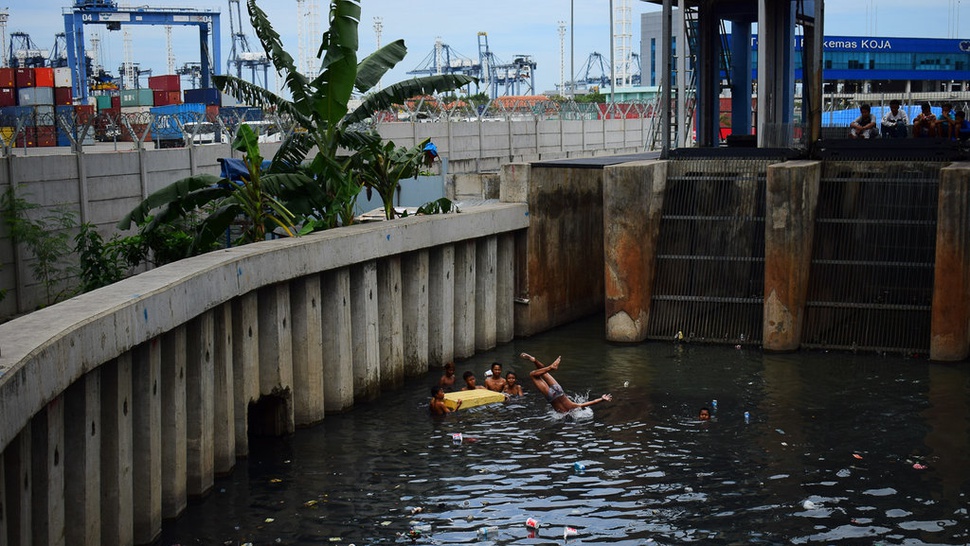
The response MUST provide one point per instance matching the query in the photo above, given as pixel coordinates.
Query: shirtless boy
(495, 382)
(437, 404)
(552, 390)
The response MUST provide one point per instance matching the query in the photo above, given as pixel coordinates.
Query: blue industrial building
(853, 64)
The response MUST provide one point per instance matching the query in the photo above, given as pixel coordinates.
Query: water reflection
(828, 456)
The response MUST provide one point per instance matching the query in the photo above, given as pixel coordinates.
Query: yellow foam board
(471, 399)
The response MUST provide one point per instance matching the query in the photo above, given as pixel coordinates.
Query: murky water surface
(839, 448)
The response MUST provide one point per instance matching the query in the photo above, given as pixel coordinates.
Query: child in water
(512, 387)
(437, 404)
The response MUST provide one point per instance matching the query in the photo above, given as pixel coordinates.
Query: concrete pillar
(633, 196)
(82, 461)
(200, 413)
(117, 512)
(950, 339)
(18, 501)
(47, 474)
(465, 267)
(173, 422)
(441, 306)
(276, 352)
(307, 356)
(486, 259)
(391, 325)
(505, 289)
(224, 436)
(790, 203)
(414, 277)
(364, 314)
(245, 365)
(147, 440)
(338, 362)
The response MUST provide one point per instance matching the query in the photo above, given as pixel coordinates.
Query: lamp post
(572, 48)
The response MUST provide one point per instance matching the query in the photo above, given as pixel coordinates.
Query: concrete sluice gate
(873, 260)
(710, 259)
(872, 243)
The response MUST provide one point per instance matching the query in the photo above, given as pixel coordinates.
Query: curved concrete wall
(129, 399)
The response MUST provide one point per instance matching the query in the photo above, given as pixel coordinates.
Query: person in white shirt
(895, 121)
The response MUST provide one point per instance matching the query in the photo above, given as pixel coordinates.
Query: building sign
(907, 45)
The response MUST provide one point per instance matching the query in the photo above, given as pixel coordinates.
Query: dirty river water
(838, 448)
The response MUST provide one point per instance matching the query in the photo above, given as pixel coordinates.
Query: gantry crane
(107, 13)
(240, 56)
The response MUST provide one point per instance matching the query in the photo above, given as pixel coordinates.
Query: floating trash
(569, 532)
(917, 466)
(532, 523)
(857, 456)
(809, 505)
(456, 438)
(579, 467)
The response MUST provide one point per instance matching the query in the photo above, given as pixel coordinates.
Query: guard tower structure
(107, 12)
(778, 23)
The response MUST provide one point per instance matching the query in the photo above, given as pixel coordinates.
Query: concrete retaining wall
(128, 400)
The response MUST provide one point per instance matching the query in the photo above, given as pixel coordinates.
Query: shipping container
(8, 78)
(136, 110)
(14, 116)
(8, 96)
(44, 115)
(165, 98)
(168, 121)
(137, 97)
(33, 96)
(23, 77)
(43, 77)
(63, 139)
(6, 133)
(64, 116)
(169, 82)
(83, 113)
(63, 96)
(27, 137)
(103, 102)
(209, 96)
(46, 136)
(238, 114)
(62, 77)
(115, 101)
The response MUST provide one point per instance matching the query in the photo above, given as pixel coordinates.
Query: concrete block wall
(146, 388)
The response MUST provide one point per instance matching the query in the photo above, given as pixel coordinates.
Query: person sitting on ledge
(864, 126)
(924, 124)
(961, 126)
(894, 121)
(945, 121)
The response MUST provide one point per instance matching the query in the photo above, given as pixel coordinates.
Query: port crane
(24, 53)
(240, 56)
(515, 78)
(113, 17)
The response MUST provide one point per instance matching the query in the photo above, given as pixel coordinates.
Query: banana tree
(320, 103)
(383, 165)
(258, 198)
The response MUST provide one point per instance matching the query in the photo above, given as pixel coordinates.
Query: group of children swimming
(509, 386)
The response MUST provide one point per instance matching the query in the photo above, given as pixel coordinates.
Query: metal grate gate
(871, 282)
(709, 281)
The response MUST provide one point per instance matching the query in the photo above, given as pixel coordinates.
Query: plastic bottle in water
(747, 417)
(714, 404)
(579, 467)
(485, 532)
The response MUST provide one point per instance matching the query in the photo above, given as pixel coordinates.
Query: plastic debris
(484, 532)
(680, 335)
(857, 456)
(276, 480)
(579, 467)
(747, 417)
(268, 520)
(532, 523)
(569, 532)
(417, 510)
(809, 505)
(917, 466)
(456, 438)
(626, 384)
(714, 404)
(310, 503)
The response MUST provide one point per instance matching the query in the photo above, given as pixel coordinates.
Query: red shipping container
(116, 101)
(84, 113)
(8, 77)
(170, 82)
(27, 137)
(23, 77)
(63, 96)
(43, 77)
(46, 136)
(8, 97)
(211, 113)
(164, 98)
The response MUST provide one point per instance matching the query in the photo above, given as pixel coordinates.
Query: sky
(513, 28)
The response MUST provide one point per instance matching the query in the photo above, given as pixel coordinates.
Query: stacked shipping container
(36, 106)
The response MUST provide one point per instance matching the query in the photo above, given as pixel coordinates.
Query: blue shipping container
(12, 116)
(209, 96)
(167, 120)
